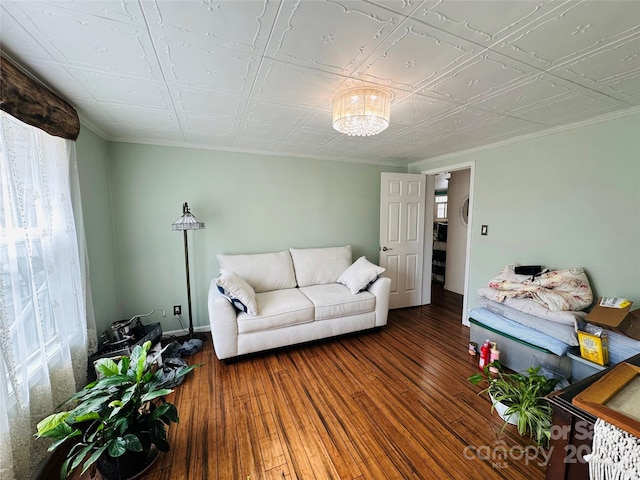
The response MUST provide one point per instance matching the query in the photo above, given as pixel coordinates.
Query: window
(43, 316)
(441, 207)
(24, 280)
(27, 244)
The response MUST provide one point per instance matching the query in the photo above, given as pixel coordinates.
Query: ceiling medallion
(361, 111)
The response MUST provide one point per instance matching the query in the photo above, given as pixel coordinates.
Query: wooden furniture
(614, 398)
(572, 432)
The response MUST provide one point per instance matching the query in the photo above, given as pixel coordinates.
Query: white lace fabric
(46, 329)
(615, 454)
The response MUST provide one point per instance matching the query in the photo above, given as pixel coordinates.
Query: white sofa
(270, 300)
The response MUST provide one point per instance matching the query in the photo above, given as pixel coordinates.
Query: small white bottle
(495, 355)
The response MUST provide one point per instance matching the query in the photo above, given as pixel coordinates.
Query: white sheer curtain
(46, 329)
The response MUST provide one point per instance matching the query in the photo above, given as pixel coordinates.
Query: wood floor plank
(331, 430)
(389, 404)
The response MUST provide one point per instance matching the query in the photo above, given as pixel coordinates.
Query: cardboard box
(617, 319)
(594, 348)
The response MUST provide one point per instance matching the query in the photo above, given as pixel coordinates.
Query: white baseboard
(179, 332)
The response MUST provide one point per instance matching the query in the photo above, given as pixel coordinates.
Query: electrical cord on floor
(166, 340)
(181, 324)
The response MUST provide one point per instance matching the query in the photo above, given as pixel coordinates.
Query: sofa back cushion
(319, 266)
(263, 271)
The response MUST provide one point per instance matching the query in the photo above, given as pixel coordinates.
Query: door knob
(384, 249)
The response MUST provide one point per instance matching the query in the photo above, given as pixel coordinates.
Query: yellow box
(594, 348)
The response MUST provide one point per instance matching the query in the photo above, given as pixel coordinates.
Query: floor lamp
(188, 222)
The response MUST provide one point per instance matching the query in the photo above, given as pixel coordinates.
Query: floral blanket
(558, 290)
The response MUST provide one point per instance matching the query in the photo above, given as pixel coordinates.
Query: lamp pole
(186, 262)
(188, 222)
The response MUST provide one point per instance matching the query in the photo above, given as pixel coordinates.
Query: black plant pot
(127, 466)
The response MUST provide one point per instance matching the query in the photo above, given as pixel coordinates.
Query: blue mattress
(515, 329)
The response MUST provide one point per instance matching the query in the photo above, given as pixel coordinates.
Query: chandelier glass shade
(361, 111)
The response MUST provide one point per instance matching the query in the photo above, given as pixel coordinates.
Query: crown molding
(85, 122)
(522, 138)
(252, 152)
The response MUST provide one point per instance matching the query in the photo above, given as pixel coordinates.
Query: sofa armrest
(381, 288)
(224, 326)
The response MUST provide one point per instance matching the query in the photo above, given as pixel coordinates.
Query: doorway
(450, 249)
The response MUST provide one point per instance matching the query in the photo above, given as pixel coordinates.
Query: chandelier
(361, 111)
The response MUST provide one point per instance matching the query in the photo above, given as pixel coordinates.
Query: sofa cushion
(318, 266)
(263, 271)
(277, 309)
(237, 291)
(360, 275)
(334, 300)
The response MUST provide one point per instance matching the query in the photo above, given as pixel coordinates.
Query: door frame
(471, 165)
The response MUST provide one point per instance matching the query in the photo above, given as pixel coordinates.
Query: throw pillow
(237, 291)
(360, 275)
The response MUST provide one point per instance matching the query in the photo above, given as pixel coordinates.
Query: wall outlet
(177, 309)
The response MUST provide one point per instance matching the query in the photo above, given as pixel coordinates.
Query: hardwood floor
(390, 404)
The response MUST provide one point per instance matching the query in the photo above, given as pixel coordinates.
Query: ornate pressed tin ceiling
(260, 76)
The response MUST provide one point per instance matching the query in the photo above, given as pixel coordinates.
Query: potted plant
(117, 420)
(523, 397)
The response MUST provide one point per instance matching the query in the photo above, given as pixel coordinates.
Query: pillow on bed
(360, 275)
(235, 289)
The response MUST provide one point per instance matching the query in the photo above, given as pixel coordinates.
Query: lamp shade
(187, 221)
(362, 111)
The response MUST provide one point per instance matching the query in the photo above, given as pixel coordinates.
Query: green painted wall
(249, 203)
(570, 198)
(93, 170)
(566, 199)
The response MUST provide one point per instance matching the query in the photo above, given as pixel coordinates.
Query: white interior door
(402, 204)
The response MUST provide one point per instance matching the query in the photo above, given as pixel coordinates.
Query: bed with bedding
(533, 319)
(565, 332)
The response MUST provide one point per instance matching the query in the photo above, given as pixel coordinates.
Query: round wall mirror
(464, 211)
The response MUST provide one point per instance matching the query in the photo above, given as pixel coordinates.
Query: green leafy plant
(524, 396)
(123, 411)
